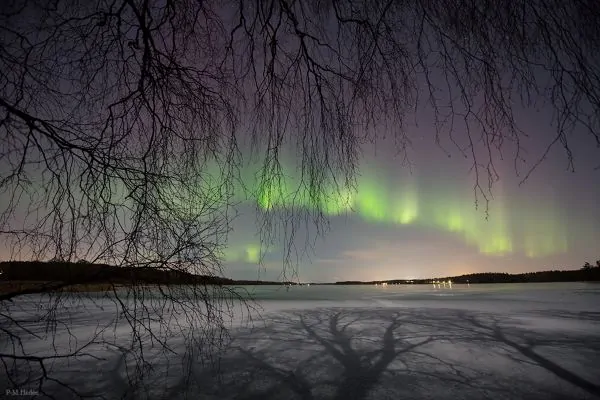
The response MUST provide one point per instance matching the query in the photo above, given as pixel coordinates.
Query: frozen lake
(534, 341)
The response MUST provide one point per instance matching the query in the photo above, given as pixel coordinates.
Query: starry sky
(422, 217)
(416, 213)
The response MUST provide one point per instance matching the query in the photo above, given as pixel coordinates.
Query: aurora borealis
(414, 221)
(422, 221)
(371, 139)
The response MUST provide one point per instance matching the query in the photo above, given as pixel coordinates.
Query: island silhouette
(27, 277)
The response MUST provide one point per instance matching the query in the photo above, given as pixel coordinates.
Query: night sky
(414, 212)
(419, 219)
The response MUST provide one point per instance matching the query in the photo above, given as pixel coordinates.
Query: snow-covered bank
(501, 341)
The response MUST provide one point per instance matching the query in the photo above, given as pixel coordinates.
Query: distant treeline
(580, 275)
(70, 273)
(64, 274)
(529, 277)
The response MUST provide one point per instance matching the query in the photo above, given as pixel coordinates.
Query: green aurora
(403, 201)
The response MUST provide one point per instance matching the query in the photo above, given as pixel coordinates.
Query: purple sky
(413, 214)
(549, 221)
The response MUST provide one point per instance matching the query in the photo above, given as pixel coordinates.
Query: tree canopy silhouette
(112, 112)
(109, 109)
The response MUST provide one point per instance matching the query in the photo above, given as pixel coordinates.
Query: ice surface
(534, 341)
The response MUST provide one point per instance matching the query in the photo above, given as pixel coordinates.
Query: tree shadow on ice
(352, 369)
(527, 346)
(585, 316)
(388, 353)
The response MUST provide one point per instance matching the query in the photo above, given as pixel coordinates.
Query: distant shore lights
(438, 284)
